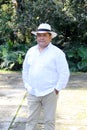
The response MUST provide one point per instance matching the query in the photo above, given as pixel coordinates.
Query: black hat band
(44, 30)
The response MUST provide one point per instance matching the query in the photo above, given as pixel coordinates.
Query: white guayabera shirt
(43, 72)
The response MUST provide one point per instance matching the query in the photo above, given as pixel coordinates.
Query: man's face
(43, 39)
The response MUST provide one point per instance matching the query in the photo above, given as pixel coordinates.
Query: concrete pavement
(13, 103)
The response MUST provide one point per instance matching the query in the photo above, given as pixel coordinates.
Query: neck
(41, 48)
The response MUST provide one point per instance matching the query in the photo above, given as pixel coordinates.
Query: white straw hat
(44, 28)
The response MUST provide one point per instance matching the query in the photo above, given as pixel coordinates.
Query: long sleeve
(25, 71)
(63, 72)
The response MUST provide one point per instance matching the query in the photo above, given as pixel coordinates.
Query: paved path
(71, 110)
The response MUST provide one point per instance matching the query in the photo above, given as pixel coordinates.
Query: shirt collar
(47, 46)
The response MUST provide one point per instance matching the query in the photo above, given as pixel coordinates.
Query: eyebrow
(44, 33)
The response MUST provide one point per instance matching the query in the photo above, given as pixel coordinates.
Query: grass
(9, 71)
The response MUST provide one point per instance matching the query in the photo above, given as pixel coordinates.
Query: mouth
(41, 41)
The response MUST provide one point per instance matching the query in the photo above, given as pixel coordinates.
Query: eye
(38, 35)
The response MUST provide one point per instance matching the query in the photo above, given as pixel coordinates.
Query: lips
(41, 41)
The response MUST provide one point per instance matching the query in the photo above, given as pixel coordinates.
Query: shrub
(12, 55)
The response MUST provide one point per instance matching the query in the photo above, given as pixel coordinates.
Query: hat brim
(51, 32)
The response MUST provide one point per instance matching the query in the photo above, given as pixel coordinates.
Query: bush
(67, 17)
(12, 55)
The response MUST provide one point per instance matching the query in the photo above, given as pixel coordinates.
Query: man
(45, 73)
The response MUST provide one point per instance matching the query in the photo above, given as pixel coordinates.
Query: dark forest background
(19, 17)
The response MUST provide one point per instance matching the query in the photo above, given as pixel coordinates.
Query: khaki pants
(35, 105)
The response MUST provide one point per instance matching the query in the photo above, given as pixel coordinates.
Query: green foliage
(77, 57)
(67, 17)
(11, 56)
(5, 22)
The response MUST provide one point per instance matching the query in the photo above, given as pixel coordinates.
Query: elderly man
(45, 73)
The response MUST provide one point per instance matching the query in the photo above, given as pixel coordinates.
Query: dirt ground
(72, 103)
